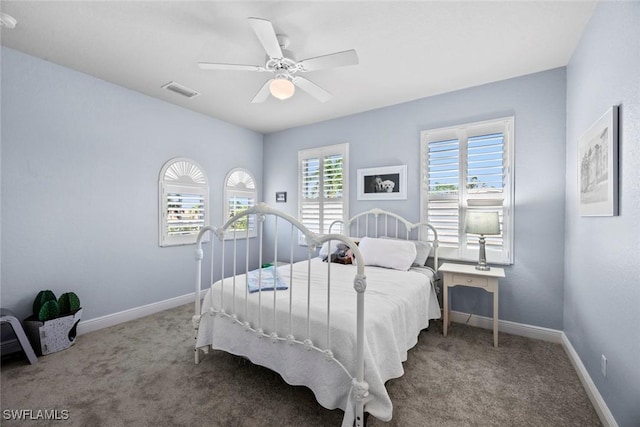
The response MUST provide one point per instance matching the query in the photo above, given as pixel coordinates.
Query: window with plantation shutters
(469, 168)
(240, 194)
(323, 186)
(183, 202)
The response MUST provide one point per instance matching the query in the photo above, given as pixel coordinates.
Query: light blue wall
(602, 259)
(73, 143)
(533, 291)
(80, 165)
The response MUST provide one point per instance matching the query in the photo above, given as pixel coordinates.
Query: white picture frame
(598, 167)
(383, 183)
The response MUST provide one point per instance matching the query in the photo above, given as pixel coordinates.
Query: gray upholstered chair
(13, 337)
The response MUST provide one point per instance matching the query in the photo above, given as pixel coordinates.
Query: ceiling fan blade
(338, 59)
(262, 94)
(267, 36)
(235, 67)
(312, 89)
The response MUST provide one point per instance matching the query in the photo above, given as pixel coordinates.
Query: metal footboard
(225, 240)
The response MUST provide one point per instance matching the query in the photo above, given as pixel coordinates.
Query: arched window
(240, 194)
(184, 202)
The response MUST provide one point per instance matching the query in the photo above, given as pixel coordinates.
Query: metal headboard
(378, 222)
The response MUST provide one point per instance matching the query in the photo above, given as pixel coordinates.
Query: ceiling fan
(282, 63)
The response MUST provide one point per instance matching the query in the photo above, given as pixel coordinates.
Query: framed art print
(598, 167)
(384, 183)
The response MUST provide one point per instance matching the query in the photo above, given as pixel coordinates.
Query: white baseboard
(551, 335)
(606, 417)
(529, 331)
(91, 325)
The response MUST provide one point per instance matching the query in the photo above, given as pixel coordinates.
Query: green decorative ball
(68, 302)
(49, 310)
(41, 299)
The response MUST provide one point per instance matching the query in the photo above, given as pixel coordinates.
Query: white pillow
(423, 249)
(388, 253)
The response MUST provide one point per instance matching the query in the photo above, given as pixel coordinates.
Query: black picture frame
(281, 197)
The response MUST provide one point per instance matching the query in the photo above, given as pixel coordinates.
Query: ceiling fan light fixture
(283, 65)
(281, 88)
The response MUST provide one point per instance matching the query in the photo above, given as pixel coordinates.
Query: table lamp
(484, 224)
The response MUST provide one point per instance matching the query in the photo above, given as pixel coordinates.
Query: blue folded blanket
(269, 277)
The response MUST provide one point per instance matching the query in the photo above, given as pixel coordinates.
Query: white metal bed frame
(359, 387)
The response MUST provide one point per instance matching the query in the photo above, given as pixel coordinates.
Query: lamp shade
(485, 223)
(281, 88)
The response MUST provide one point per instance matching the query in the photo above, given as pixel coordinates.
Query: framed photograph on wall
(384, 183)
(598, 167)
(281, 197)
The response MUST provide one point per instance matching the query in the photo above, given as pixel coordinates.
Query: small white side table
(467, 275)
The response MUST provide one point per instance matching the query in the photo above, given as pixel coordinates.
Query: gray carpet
(141, 373)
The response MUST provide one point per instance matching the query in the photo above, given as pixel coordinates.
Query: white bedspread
(398, 305)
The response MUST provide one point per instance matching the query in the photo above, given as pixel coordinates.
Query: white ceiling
(407, 50)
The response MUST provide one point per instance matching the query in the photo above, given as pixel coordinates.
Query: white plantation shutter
(240, 194)
(185, 211)
(464, 168)
(323, 186)
(183, 202)
(333, 207)
(310, 197)
(485, 185)
(443, 183)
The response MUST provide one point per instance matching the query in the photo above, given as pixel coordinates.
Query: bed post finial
(360, 283)
(219, 232)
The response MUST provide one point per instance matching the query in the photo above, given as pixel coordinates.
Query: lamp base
(482, 262)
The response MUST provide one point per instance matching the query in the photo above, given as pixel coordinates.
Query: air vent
(7, 21)
(181, 90)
